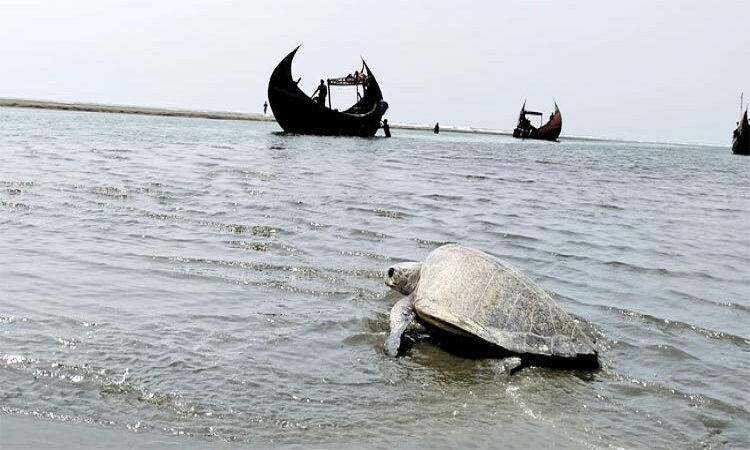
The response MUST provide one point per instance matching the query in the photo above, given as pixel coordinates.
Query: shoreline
(127, 109)
(227, 115)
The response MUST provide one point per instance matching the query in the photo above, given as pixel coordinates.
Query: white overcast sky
(665, 70)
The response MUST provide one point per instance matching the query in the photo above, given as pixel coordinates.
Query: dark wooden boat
(296, 112)
(550, 131)
(741, 137)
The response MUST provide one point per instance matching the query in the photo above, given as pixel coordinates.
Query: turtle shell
(470, 293)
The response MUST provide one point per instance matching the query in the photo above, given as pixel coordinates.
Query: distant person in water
(386, 128)
(265, 107)
(437, 128)
(322, 92)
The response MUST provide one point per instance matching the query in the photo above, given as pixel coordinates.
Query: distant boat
(550, 131)
(741, 137)
(296, 112)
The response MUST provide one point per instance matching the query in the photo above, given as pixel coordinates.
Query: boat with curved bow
(296, 112)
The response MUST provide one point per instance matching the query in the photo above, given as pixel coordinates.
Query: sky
(665, 70)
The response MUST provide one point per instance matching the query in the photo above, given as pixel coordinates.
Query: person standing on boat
(322, 92)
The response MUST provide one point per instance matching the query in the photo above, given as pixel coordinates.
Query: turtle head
(403, 277)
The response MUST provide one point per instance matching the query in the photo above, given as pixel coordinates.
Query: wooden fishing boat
(296, 112)
(550, 131)
(741, 137)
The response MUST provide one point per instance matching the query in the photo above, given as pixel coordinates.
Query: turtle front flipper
(507, 366)
(402, 314)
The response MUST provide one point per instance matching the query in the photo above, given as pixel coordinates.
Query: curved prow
(552, 129)
(372, 98)
(556, 120)
(281, 78)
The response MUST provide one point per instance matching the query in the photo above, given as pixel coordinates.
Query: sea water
(219, 283)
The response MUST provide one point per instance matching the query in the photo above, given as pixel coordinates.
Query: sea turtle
(468, 293)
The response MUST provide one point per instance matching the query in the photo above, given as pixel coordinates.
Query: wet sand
(203, 114)
(32, 432)
(123, 109)
(19, 433)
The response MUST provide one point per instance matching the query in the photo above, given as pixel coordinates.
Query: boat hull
(741, 137)
(550, 131)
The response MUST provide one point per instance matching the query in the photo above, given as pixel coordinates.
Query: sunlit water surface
(223, 283)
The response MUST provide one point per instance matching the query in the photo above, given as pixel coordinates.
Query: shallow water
(218, 282)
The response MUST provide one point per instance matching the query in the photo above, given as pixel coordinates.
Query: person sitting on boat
(322, 92)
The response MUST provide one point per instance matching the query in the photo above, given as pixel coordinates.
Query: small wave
(375, 235)
(430, 243)
(17, 184)
(730, 305)
(374, 256)
(255, 266)
(677, 325)
(518, 180)
(694, 400)
(71, 343)
(518, 237)
(160, 216)
(661, 271)
(263, 176)
(389, 214)
(671, 352)
(54, 416)
(18, 360)
(14, 205)
(442, 197)
(111, 191)
(362, 273)
(255, 230)
(605, 206)
(254, 246)
(13, 319)
(282, 286)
